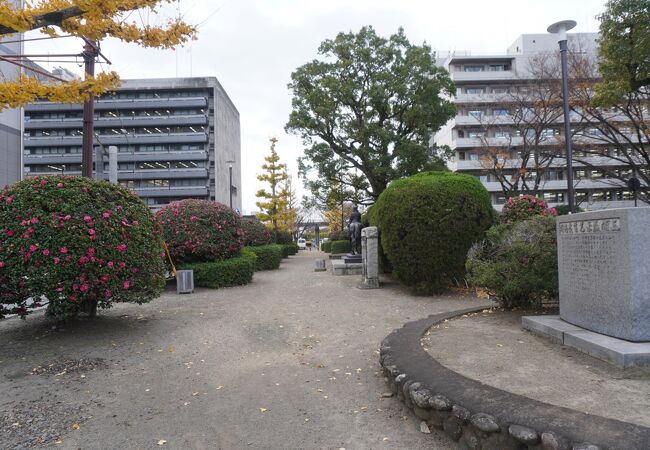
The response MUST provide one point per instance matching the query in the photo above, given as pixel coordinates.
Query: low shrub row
(289, 249)
(268, 256)
(326, 246)
(235, 271)
(340, 247)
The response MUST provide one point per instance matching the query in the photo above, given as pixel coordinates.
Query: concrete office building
(484, 120)
(177, 138)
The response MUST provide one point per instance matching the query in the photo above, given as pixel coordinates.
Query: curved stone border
(484, 417)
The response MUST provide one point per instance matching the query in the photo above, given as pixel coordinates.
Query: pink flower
(91, 251)
(193, 218)
(110, 264)
(122, 265)
(126, 284)
(57, 260)
(121, 248)
(59, 289)
(136, 222)
(46, 252)
(87, 218)
(106, 215)
(134, 270)
(108, 293)
(63, 250)
(83, 260)
(84, 287)
(91, 232)
(10, 233)
(43, 182)
(34, 220)
(2, 264)
(33, 248)
(84, 189)
(9, 199)
(59, 185)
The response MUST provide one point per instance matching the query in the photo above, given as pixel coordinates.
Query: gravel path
(289, 361)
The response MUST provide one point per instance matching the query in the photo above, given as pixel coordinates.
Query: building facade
(508, 122)
(177, 138)
(11, 120)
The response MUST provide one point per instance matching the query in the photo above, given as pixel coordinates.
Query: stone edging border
(484, 417)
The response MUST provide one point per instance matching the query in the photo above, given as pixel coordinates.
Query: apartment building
(494, 126)
(176, 137)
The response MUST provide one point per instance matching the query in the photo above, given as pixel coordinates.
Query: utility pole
(91, 51)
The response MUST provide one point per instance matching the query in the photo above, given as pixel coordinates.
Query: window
(500, 112)
(475, 90)
(461, 156)
(501, 134)
(500, 199)
(500, 90)
(581, 175)
(474, 68)
(475, 134)
(476, 113)
(473, 156)
(497, 67)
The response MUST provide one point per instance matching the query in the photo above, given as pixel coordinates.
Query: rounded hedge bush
(340, 246)
(201, 230)
(255, 232)
(282, 237)
(428, 222)
(524, 207)
(326, 246)
(517, 263)
(75, 243)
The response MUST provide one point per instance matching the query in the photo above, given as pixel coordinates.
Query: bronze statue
(354, 228)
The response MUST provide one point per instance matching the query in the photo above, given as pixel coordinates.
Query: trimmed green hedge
(326, 246)
(234, 271)
(428, 222)
(340, 246)
(289, 249)
(268, 256)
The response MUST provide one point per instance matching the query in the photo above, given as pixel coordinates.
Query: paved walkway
(290, 361)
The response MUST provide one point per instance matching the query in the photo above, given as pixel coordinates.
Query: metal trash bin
(184, 281)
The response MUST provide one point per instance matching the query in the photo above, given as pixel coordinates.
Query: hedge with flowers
(75, 244)
(524, 207)
(255, 232)
(201, 231)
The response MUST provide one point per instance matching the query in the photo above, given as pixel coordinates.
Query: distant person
(309, 244)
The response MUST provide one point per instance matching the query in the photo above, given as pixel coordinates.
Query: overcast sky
(252, 46)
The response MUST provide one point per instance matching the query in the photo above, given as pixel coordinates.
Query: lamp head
(560, 28)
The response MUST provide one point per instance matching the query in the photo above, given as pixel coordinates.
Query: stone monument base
(340, 267)
(617, 351)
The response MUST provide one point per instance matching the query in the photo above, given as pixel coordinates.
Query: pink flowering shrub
(74, 243)
(255, 232)
(201, 230)
(524, 207)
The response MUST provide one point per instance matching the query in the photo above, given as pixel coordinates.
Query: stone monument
(604, 271)
(370, 256)
(604, 281)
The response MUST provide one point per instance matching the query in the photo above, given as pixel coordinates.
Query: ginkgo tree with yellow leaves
(91, 20)
(274, 202)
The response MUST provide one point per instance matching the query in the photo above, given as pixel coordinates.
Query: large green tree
(624, 50)
(366, 111)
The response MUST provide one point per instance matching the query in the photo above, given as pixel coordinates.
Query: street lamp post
(560, 29)
(230, 163)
